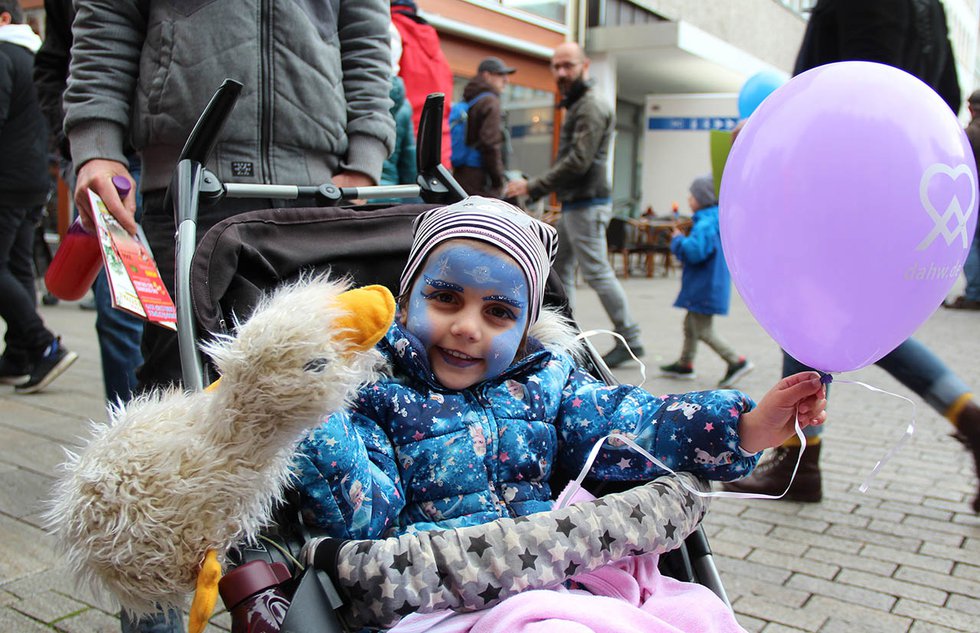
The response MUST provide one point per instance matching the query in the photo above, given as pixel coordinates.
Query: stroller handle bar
(292, 192)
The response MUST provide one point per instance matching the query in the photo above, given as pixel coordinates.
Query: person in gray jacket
(315, 107)
(579, 178)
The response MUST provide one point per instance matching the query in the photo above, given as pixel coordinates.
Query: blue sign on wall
(695, 124)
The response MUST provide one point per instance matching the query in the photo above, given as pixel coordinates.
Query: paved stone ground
(902, 557)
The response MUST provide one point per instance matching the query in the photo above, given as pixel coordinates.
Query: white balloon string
(590, 333)
(909, 431)
(576, 485)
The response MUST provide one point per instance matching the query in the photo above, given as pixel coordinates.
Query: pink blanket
(627, 596)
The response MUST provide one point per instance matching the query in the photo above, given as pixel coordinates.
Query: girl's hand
(773, 420)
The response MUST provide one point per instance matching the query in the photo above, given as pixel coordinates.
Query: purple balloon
(848, 206)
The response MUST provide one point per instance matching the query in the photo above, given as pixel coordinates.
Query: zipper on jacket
(265, 90)
(491, 461)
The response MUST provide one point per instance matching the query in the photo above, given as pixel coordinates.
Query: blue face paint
(468, 307)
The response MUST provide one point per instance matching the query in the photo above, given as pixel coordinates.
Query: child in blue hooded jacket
(482, 397)
(705, 287)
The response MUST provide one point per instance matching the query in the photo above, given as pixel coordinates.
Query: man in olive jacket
(314, 108)
(579, 178)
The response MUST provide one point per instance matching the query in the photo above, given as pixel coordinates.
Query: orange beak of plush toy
(370, 311)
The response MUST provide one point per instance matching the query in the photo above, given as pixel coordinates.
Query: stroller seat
(243, 256)
(237, 261)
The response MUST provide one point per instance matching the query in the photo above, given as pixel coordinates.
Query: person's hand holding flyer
(134, 280)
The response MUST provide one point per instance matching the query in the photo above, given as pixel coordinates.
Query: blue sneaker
(55, 360)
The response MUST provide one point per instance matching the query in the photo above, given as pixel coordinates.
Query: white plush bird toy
(175, 478)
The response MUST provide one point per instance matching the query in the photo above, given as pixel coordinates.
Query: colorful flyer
(134, 280)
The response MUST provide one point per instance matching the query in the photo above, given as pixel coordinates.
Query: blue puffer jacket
(706, 285)
(411, 454)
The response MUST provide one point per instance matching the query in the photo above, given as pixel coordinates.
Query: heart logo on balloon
(953, 210)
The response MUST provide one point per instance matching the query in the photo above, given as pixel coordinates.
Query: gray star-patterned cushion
(472, 568)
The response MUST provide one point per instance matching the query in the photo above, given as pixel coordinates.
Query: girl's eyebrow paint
(505, 299)
(439, 284)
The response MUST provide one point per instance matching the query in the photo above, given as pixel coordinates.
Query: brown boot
(968, 433)
(773, 473)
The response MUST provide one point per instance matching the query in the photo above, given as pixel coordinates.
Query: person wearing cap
(579, 178)
(970, 299)
(481, 396)
(485, 130)
(705, 286)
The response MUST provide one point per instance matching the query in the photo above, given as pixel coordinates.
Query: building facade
(686, 59)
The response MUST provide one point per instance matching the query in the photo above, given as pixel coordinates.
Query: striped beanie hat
(531, 243)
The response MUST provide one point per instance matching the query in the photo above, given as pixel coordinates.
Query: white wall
(672, 158)
(765, 29)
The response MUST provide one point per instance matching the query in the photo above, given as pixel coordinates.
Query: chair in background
(645, 237)
(619, 241)
(654, 240)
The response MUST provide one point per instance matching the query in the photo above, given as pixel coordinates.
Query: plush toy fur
(175, 474)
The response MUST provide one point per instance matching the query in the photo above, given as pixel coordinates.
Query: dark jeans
(119, 336)
(160, 622)
(26, 335)
(161, 355)
(119, 332)
(971, 268)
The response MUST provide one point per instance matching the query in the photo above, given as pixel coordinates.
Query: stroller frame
(194, 185)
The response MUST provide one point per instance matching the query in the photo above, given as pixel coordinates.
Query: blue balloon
(755, 89)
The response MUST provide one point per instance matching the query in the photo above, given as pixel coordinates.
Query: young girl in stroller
(482, 395)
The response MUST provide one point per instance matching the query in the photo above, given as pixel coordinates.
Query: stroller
(289, 573)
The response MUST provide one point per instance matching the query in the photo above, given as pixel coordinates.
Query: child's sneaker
(678, 370)
(13, 373)
(55, 360)
(735, 372)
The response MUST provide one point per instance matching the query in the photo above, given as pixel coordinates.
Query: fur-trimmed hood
(557, 333)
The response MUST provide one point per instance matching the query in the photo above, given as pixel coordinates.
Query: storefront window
(529, 116)
(551, 9)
